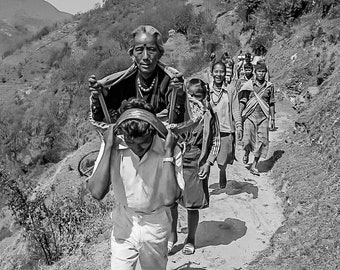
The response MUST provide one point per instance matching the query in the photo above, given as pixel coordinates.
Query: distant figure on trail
(212, 60)
(248, 74)
(230, 66)
(202, 148)
(257, 104)
(141, 166)
(242, 60)
(147, 78)
(261, 59)
(224, 101)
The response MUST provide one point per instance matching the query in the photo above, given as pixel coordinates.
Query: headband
(144, 115)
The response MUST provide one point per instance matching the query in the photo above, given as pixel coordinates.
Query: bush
(81, 40)
(261, 43)
(113, 64)
(194, 63)
(58, 226)
(246, 8)
(57, 55)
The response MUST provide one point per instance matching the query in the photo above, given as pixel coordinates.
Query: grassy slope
(307, 177)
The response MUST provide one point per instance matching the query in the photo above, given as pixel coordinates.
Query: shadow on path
(214, 233)
(236, 187)
(187, 266)
(267, 165)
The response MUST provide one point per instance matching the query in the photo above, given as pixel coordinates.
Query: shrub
(194, 63)
(246, 8)
(81, 40)
(261, 43)
(54, 226)
(57, 55)
(113, 64)
(43, 32)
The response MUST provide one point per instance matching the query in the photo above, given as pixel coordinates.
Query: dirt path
(236, 227)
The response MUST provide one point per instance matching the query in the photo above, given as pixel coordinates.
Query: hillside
(19, 19)
(44, 131)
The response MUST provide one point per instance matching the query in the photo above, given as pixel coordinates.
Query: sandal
(170, 246)
(188, 249)
(223, 184)
(245, 159)
(254, 171)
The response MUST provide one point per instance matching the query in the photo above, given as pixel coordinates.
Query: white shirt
(134, 181)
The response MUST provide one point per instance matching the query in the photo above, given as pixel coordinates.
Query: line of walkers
(161, 135)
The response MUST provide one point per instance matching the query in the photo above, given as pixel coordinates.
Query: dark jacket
(123, 85)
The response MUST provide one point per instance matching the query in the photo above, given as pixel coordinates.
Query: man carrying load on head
(140, 164)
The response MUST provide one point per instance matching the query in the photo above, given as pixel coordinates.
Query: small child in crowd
(202, 146)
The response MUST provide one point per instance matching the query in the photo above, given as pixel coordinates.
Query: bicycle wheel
(86, 163)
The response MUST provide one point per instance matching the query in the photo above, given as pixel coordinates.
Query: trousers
(139, 237)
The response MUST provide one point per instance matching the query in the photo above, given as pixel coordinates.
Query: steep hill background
(44, 106)
(19, 19)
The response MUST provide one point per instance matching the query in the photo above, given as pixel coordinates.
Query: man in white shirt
(145, 175)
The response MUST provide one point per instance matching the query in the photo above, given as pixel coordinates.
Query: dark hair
(218, 63)
(261, 65)
(225, 55)
(196, 81)
(136, 128)
(248, 65)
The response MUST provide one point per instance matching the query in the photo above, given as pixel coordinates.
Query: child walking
(224, 101)
(144, 173)
(202, 145)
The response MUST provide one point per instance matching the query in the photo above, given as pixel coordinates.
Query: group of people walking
(161, 135)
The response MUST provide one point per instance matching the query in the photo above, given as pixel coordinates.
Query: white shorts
(139, 236)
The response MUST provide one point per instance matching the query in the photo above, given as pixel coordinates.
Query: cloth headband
(140, 114)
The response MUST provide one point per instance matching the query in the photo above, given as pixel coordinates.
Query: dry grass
(309, 238)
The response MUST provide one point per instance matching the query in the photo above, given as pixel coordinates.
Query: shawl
(256, 100)
(113, 79)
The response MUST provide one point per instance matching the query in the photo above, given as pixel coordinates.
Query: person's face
(139, 145)
(248, 72)
(218, 74)
(260, 73)
(146, 53)
(197, 92)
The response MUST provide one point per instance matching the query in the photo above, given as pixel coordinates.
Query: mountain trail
(242, 218)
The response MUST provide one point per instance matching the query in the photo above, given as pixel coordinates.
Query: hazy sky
(74, 6)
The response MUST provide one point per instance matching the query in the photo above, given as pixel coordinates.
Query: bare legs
(253, 168)
(193, 218)
(223, 176)
(173, 233)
